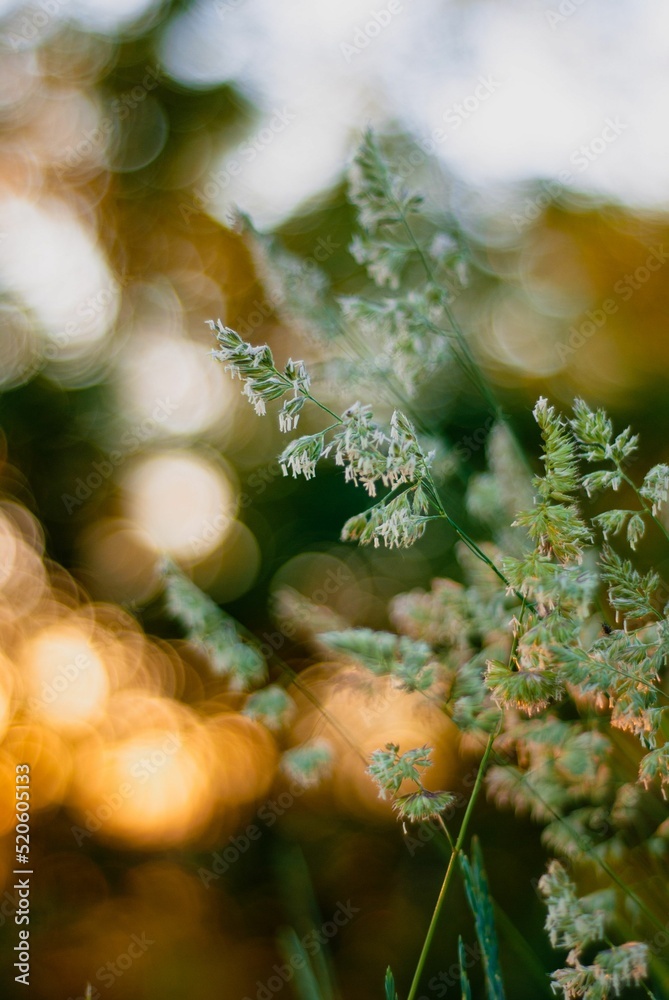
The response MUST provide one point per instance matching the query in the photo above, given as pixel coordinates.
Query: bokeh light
(65, 676)
(182, 502)
(66, 285)
(178, 374)
(374, 711)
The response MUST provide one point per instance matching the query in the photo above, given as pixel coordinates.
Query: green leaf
(374, 650)
(612, 521)
(529, 690)
(378, 193)
(624, 446)
(307, 764)
(593, 430)
(656, 485)
(271, 706)
(559, 457)
(305, 982)
(602, 480)
(389, 768)
(557, 528)
(390, 985)
(571, 922)
(464, 980)
(629, 592)
(215, 632)
(481, 905)
(302, 454)
(385, 653)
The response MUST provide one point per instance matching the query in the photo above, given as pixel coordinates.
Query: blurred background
(131, 133)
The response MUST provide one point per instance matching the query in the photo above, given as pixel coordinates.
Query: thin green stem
(587, 850)
(468, 362)
(457, 847)
(451, 865)
(446, 832)
(322, 406)
(470, 543)
(307, 692)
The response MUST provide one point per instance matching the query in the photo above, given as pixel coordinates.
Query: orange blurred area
(136, 754)
(358, 713)
(92, 704)
(95, 706)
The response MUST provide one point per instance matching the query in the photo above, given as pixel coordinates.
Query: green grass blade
(304, 982)
(478, 896)
(305, 917)
(464, 981)
(390, 985)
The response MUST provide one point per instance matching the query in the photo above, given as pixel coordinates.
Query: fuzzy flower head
(389, 768)
(301, 455)
(369, 456)
(262, 379)
(358, 447)
(406, 462)
(398, 523)
(423, 805)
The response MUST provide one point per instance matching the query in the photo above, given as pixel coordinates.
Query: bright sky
(524, 89)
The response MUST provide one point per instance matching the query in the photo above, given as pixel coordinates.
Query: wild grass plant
(549, 654)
